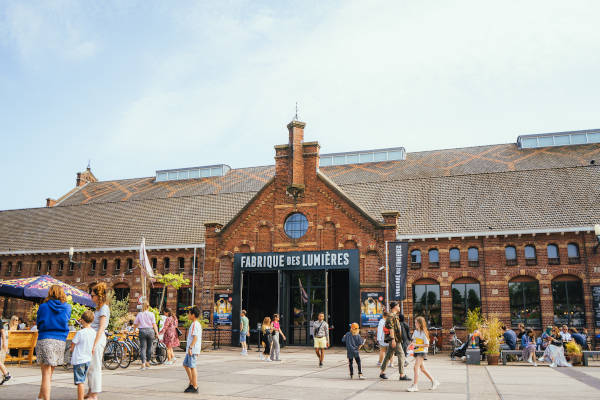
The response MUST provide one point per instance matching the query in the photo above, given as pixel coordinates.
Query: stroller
(455, 344)
(461, 351)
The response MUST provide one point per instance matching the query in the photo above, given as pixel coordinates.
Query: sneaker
(261, 356)
(413, 388)
(553, 365)
(351, 376)
(541, 359)
(435, 384)
(268, 360)
(5, 378)
(320, 365)
(361, 377)
(404, 378)
(188, 389)
(383, 376)
(143, 368)
(193, 390)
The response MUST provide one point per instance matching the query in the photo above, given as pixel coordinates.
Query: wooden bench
(587, 355)
(22, 340)
(505, 353)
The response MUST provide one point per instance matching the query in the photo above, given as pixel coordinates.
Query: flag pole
(387, 277)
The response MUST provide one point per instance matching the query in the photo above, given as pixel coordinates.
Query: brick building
(509, 228)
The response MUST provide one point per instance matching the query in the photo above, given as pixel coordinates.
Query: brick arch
(465, 279)
(522, 278)
(226, 253)
(566, 277)
(349, 241)
(425, 281)
(245, 246)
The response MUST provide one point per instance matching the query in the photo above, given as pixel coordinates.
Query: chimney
(296, 129)
(50, 202)
(85, 177)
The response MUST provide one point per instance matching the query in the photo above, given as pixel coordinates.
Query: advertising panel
(222, 309)
(372, 306)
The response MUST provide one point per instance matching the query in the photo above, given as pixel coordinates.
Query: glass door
(307, 300)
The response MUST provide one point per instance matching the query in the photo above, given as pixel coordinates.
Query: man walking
(321, 337)
(394, 336)
(244, 328)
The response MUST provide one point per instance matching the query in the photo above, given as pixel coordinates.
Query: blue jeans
(146, 338)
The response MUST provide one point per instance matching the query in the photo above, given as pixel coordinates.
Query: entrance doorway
(260, 296)
(339, 306)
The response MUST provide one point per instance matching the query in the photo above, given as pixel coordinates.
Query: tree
(174, 280)
(118, 313)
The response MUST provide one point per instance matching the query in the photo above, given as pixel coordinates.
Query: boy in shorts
(194, 344)
(81, 351)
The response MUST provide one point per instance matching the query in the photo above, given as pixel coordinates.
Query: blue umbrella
(36, 288)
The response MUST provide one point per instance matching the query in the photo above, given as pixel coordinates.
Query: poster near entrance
(372, 306)
(398, 266)
(222, 309)
(596, 301)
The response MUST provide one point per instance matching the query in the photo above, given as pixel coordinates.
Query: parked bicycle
(435, 340)
(371, 342)
(121, 351)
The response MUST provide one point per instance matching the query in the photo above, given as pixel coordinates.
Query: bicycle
(370, 342)
(434, 340)
(113, 353)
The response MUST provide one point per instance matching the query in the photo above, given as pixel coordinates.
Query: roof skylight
(359, 157)
(192, 173)
(558, 139)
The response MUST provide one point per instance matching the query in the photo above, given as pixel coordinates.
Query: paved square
(224, 374)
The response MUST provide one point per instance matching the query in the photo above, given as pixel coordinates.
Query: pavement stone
(225, 375)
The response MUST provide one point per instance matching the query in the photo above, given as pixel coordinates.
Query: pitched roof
(466, 190)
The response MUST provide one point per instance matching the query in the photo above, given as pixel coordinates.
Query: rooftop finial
(89, 166)
(296, 116)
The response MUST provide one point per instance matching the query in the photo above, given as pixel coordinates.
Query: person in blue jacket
(53, 328)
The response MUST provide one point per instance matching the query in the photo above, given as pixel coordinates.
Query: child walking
(353, 342)
(420, 339)
(81, 352)
(194, 344)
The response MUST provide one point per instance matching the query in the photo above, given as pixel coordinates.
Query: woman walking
(276, 332)
(146, 323)
(101, 316)
(3, 350)
(53, 327)
(170, 336)
(267, 341)
(420, 340)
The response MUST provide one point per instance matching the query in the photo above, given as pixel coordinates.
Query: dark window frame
(473, 263)
(573, 259)
(181, 263)
(427, 306)
(466, 306)
(569, 315)
(416, 264)
(553, 260)
(166, 263)
(510, 261)
(455, 262)
(129, 266)
(530, 260)
(433, 264)
(527, 303)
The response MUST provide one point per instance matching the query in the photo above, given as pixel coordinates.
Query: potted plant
(492, 330)
(473, 321)
(574, 352)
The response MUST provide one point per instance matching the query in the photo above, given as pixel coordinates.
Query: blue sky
(137, 86)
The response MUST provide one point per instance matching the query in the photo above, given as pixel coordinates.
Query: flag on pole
(144, 262)
(303, 293)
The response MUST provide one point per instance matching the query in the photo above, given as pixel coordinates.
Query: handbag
(179, 333)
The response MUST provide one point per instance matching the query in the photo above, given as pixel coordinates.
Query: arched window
(426, 302)
(510, 252)
(434, 258)
(117, 265)
(553, 257)
(71, 267)
(473, 256)
(61, 266)
(19, 267)
(569, 306)
(103, 266)
(9, 268)
(0, 266)
(92, 267)
(167, 263)
(181, 262)
(454, 257)
(415, 258)
(524, 294)
(48, 266)
(153, 262)
(38, 267)
(465, 296)
(129, 265)
(530, 255)
(573, 253)
(121, 291)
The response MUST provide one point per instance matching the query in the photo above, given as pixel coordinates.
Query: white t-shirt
(380, 335)
(104, 311)
(421, 341)
(195, 330)
(84, 341)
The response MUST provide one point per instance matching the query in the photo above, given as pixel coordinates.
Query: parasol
(36, 289)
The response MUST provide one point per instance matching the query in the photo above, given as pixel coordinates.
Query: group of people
(552, 342)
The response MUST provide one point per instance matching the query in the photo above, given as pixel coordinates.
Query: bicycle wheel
(113, 354)
(160, 354)
(127, 355)
(369, 345)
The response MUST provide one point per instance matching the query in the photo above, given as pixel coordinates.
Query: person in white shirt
(565, 335)
(81, 352)
(381, 340)
(193, 347)
(420, 339)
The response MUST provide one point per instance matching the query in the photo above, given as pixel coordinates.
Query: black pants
(146, 338)
(351, 365)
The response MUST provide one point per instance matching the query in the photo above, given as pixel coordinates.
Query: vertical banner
(371, 304)
(596, 300)
(222, 309)
(398, 266)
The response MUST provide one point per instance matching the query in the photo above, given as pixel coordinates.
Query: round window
(295, 226)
